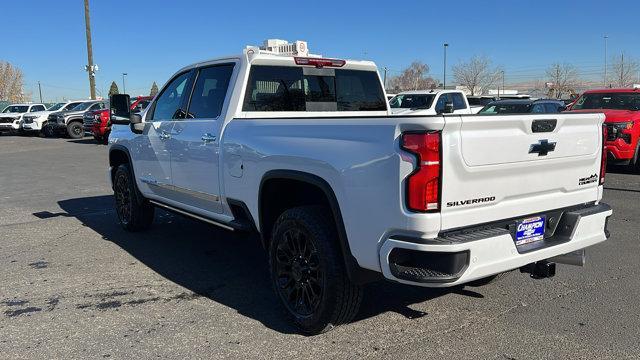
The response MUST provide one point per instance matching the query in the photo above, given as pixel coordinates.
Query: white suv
(11, 116)
(430, 102)
(34, 121)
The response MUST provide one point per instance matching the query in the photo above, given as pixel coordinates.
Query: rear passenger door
(195, 157)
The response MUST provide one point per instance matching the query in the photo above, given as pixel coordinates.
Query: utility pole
(384, 81)
(605, 60)
(90, 68)
(40, 91)
(124, 89)
(444, 74)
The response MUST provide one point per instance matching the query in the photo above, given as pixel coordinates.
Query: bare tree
(625, 70)
(477, 75)
(11, 83)
(413, 78)
(562, 79)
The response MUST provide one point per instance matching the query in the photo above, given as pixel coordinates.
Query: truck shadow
(226, 267)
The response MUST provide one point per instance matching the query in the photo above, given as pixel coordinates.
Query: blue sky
(150, 40)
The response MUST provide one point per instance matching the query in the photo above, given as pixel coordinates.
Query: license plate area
(530, 230)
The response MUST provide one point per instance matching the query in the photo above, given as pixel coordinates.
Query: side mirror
(448, 108)
(119, 108)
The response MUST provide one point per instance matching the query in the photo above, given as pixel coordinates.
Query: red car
(97, 122)
(621, 108)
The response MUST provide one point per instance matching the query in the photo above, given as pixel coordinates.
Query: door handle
(164, 135)
(207, 138)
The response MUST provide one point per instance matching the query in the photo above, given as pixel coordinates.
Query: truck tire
(134, 212)
(47, 131)
(75, 130)
(308, 272)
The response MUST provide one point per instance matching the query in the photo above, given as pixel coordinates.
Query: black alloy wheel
(123, 197)
(299, 274)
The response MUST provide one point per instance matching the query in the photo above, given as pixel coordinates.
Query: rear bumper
(487, 251)
(97, 130)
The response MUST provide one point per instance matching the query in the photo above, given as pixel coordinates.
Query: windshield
(616, 101)
(412, 101)
(505, 109)
(71, 106)
(55, 107)
(83, 106)
(16, 109)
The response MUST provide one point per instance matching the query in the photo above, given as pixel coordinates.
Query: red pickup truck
(621, 108)
(98, 122)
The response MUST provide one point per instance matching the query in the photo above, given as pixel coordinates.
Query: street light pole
(605, 60)
(385, 78)
(444, 75)
(40, 91)
(502, 81)
(124, 89)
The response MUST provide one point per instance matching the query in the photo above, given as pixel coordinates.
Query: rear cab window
(272, 88)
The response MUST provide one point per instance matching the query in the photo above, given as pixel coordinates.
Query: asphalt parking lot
(73, 284)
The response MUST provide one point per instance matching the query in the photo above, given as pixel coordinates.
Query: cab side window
(458, 101)
(442, 100)
(210, 91)
(169, 103)
(96, 106)
(538, 109)
(37, 108)
(552, 108)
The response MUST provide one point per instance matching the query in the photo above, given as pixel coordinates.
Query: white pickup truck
(304, 151)
(430, 102)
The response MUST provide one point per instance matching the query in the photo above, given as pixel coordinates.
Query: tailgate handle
(543, 125)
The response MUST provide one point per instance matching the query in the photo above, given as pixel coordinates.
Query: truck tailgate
(498, 167)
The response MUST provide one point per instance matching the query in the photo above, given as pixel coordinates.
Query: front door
(150, 152)
(195, 158)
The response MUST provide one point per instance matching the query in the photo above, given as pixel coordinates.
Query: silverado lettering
(471, 201)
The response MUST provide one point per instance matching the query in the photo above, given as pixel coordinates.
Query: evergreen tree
(113, 89)
(154, 89)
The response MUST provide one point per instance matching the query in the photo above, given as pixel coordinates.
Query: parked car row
(620, 106)
(11, 116)
(72, 119)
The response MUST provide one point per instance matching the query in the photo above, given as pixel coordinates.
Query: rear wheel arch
(305, 189)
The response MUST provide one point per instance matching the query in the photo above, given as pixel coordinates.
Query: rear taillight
(319, 62)
(423, 185)
(603, 159)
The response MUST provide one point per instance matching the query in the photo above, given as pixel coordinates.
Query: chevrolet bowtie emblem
(542, 148)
